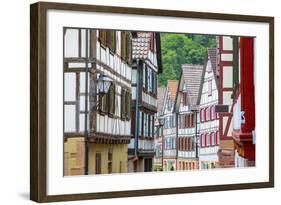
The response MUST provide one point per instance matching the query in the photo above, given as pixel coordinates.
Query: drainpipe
(177, 134)
(137, 109)
(196, 137)
(86, 110)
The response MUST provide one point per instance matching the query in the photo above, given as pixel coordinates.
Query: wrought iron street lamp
(161, 121)
(103, 82)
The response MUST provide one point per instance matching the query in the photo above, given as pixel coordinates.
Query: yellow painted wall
(119, 157)
(74, 153)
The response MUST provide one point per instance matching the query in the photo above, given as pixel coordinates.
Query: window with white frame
(140, 124)
(213, 138)
(207, 139)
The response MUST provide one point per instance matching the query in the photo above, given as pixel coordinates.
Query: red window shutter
(211, 112)
(183, 144)
(217, 137)
(208, 113)
(205, 114)
(188, 121)
(200, 115)
(186, 144)
(192, 120)
(211, 138)
(206, 136)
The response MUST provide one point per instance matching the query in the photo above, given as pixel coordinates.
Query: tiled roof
(173, 87)
(160, 98)
(192, 77)
(212, 53)
(212, 56)
(141, 45)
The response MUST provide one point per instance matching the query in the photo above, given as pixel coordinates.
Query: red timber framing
(222, 90)
(226, 144)
(244, 137)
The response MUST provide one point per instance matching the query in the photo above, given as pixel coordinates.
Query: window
(202, 115)
(125, 105)
(128, 105)
(98, 163)
(213, 138)
(188, 144)
(183, 144)
(126, 52)
(149, 79)
(111, 40)
(217, 137)
(103, 104)
(203, 140)
(213, 114)
(111, 100)
(209, 87)
(206, 114)
(102, 37)
(144, 124)
(207, 136)
(185, 98)
(140, 124)
(192, 120)
(188, 120)
(144, 76)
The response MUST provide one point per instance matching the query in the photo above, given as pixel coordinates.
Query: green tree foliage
(178, 49)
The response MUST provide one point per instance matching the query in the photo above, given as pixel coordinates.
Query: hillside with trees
(178, 49)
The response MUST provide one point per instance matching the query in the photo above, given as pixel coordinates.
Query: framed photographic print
(135, 102)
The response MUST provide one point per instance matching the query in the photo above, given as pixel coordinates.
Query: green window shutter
(123, 104)
(128, 49)
(128, 105)
(111, 99)
(102, 37)
(123, 45)
(110, 40)
(103, 104)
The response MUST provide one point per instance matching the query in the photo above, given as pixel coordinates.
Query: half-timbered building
(146, 66)
(186, 109)
(242, 110)
(169, 129)
(103, 121)
(158, 140)
(209, 123)
(227, 57)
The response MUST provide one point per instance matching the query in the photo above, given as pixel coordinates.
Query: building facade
(159, 138)
(244, 102)
(146, 66)
(209, 120)
(102, 120)
(226, 57)
(186, 110)
(169, 129)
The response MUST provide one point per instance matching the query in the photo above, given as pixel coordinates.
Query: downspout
(196, 137)
(86, 110)
(137, 110)
(177, 134)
